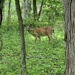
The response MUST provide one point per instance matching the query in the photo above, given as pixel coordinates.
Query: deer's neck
(31, 31)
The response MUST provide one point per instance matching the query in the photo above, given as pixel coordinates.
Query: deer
(42, 31)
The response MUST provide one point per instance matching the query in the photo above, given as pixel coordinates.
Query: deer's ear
(27, 27)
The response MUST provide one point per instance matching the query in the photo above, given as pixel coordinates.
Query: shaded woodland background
(42, 58)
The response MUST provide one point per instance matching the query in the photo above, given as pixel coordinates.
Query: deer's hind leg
(36, 38)
(50, 36)
(39, 38)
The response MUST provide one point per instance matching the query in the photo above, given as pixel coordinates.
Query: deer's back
(43, 31)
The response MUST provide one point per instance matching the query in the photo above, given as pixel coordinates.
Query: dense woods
(20, 55)
(50, 23)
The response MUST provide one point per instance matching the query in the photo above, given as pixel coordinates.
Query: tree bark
(1, 17)
(29, 7)
(23, 64)
(69, 11)
(8, 17)
(25, 5)
(34, 10)
(40, 9)
(1, 7)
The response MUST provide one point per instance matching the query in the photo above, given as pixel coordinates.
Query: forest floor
(42, 57)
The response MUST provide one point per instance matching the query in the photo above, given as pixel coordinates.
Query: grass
(43, 57)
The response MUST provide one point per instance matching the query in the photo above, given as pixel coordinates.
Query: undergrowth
(42, 57)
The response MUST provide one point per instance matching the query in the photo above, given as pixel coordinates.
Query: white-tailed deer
(43, 31)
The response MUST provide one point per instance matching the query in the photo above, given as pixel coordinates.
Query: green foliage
(33, 23)
(10, 63)
(43, 57)
(52, 12)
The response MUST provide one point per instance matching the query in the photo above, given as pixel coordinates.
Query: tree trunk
(69, 10)
(1, 7)
(8, 17)
(23, 64)
(29, 6)
(25, 5)
(1, 17)
(40, 9)
(34, 10)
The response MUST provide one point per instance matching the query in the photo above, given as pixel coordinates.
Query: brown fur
(43, 31)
